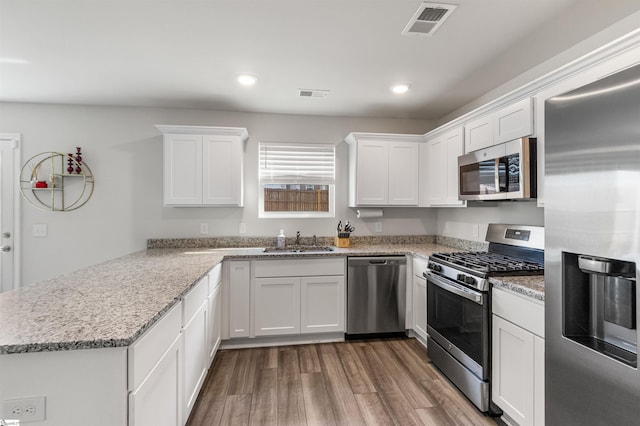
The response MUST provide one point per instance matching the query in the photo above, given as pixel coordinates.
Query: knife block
(342, 240)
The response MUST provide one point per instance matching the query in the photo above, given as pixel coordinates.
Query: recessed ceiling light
(400, 88)
(14, 61)
(247, 79)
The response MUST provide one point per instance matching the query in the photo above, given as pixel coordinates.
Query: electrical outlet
(378, 226)
(39, 230)
(25, 410)
(242, 228)
(204, 228)
(475, 230)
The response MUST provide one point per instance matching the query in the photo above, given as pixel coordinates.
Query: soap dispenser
(280, 240)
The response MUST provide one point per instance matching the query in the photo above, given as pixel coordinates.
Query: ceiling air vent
(313, 93)
(428, 19)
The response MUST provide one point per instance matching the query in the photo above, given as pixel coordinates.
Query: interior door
(9, 211)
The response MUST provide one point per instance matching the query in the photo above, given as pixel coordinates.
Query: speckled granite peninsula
(111, 304)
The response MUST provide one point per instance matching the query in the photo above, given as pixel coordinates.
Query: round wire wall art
(54, 181)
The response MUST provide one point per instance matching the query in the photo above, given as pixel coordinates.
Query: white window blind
(290, 162)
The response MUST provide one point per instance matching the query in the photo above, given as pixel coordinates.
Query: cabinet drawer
(215, 278)
(194, 299)
(520, 310)
(298, 267)
(145, 352)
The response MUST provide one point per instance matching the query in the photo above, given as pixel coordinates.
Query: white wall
(582, 47)
(124, 151)
(460, 223)
(465, 222)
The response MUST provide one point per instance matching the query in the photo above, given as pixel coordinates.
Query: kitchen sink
(299, 249)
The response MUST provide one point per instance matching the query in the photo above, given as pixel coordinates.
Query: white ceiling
(187, 53)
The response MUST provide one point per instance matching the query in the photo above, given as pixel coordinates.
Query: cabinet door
(195, 357)
(436, 171)
(214, 318)
(222, 170)
(277, 306)
(404, 160)
(372, 180)
(239, 299)
(513, 370)
(420, 305)
(514, 121)
(454, 142)
(478, 133)
(182, 169)
(158, 400)
(322, 304)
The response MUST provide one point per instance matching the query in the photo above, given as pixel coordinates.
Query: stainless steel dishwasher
(376, 296)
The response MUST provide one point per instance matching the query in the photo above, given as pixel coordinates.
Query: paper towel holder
(368, 213)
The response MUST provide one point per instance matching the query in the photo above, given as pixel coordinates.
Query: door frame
(16, 138)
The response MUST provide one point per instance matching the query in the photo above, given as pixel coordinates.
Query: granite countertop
(111, 304)
(527, 285)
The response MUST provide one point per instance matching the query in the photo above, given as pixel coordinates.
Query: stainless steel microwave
(506, 171)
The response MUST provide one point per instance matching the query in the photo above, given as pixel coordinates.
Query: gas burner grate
(489, 262)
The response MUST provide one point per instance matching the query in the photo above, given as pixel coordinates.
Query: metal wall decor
(58, 182)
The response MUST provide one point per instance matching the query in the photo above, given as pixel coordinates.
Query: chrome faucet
(298, 238)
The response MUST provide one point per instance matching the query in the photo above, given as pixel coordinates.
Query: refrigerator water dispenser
(599, 305)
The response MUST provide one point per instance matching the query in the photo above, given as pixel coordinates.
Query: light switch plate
(39, 230)
(378, 226)
(242, 228)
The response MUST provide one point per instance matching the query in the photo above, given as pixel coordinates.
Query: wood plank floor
(374, 382)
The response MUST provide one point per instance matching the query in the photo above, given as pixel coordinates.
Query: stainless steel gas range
(459, 304)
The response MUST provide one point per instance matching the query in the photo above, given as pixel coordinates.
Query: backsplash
(462, 244)
(236, 242)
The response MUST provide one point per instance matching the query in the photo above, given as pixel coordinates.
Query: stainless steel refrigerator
(592, 253)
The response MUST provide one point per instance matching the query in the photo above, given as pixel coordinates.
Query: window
(296, 180)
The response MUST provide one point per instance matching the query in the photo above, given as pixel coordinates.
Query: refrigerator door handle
(598, 265)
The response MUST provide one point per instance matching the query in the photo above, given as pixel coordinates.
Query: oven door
(458, 320)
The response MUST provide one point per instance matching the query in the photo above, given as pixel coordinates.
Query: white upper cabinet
(511, 122)
(372, 168)
(383, 169)
(404, 163)
(514, 121)
(439, 170)
(478, 133)
(203, 165)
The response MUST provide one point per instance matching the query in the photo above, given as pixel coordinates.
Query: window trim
(331, 183)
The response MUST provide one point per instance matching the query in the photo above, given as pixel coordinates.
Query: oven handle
(455, 288)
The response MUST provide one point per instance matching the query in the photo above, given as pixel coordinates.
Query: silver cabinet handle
(5, 248)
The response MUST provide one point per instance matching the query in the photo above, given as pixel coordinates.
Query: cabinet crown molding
(623, 44)
(204, 130)
(353, 137)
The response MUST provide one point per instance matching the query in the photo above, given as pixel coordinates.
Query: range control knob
(434, 267)
(469, 280)
(460, 277)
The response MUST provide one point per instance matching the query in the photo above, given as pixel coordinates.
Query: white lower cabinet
(239, 291)
(158, 400)
(322, 304)
(298, 296)
(518, 357)
(194, 332)
(214, 311)
(155, 373)
(419, 298)
(277, 306)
